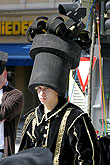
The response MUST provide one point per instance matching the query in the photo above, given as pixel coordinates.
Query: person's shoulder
(29, 114)
(76, 115)
(14, 89)
(76, 112)
(75, 109)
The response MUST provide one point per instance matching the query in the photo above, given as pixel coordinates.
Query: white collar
(1, 90)
(6, 83)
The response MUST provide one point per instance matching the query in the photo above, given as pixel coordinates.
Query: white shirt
(1, 125)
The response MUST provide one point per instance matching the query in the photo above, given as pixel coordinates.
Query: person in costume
(11, 105)
(57, 124)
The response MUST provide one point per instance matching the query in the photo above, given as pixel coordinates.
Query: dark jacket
(32, 156)
(10, 111)
(105, 146)
(71, 139)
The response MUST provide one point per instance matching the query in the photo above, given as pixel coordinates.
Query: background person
(11, 105)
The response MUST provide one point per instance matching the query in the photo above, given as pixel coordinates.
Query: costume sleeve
(27, 140)
(87, 147)
(11, 105)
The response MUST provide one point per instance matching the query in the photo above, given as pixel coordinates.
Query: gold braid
(60, 137)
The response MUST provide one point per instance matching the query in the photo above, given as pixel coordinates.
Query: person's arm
(27, 141)
(87, 146)
(12, 104)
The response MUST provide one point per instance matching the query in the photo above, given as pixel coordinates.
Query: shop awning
(18, 54)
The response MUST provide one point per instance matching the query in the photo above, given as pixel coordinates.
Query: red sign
(83, 71)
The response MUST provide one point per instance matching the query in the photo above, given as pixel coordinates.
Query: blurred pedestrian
(11, 105)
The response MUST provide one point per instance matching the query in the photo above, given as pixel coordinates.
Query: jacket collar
(5, 87)
(54, 113)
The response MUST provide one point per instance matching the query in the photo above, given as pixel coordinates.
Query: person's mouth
(42, 98)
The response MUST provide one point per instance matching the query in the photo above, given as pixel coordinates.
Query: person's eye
(47, 88)
(37, 88)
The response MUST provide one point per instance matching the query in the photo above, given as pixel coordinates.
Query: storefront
(18, 54)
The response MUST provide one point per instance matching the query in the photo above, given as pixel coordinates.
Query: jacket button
(44, 135)
(46, 127)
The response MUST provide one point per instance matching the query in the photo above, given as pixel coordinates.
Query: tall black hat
(56, 47)
(3, 61)
(53, 59)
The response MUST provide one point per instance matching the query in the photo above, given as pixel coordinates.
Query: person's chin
(43, 100)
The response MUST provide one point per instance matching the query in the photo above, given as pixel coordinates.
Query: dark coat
(105, 146)
(32, 156)
(78, 142)
(10, 111)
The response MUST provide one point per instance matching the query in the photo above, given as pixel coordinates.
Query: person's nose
(42, 91)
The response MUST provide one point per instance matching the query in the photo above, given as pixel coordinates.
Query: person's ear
(5, 74)
(56, 93)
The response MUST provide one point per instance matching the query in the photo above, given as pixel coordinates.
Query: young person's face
(3, 79)
(46, 95)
